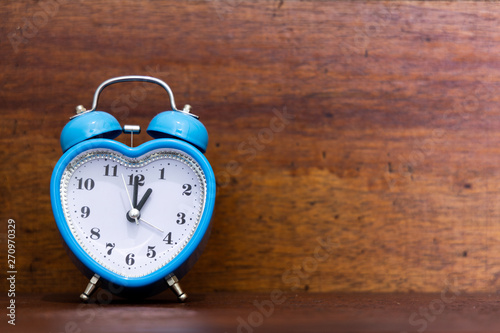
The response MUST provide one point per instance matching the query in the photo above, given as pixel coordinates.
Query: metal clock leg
(90, 288)
(173, 283)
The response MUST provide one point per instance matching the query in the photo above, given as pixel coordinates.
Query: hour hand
(144, 198)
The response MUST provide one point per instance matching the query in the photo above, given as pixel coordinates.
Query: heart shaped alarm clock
(134, 219)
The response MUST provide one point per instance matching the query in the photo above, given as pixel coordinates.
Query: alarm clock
(133, 219)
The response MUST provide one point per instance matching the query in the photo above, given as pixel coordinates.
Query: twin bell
(176, 124)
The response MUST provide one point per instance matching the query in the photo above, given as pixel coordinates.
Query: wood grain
(355, 143)
(262, 312)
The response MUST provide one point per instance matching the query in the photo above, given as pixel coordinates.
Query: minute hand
(144, 198)
(136, 190)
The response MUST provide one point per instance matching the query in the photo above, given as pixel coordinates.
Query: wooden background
(356, 144)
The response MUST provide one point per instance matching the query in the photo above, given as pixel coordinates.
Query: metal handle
(134, 78)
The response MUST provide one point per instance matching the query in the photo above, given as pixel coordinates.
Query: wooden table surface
(261, 312)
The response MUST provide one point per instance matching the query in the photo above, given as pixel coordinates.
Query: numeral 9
(85, 212)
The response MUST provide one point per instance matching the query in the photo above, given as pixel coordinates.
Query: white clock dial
(133, 215)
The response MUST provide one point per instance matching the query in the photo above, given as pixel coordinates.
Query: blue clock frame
(181, 264)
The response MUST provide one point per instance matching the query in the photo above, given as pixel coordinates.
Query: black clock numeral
(168, 238)
(182, 218)
(129, 259)
(111, 246)
(162, 173)
(113, 170)
(95, 233)
(187, 189)
(140, 179)
(151, 252)
(88, 184)
(85, 212)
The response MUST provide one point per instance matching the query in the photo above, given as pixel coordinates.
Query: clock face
(133, 215)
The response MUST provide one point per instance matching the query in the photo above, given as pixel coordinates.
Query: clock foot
(173, 283)
(90, 288)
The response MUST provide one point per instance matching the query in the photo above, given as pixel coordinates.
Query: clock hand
(126, 189)
(136, 189)
(129, 200)
(141, 203)
(142, 220)
(144, 198)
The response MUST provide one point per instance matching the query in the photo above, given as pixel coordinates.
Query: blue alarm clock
(134, 219)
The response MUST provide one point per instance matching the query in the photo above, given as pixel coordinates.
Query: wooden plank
(366, 126)
(275, 311)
